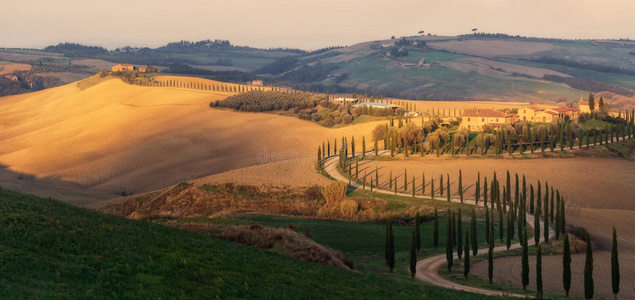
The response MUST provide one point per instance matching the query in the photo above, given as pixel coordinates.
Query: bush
(349, 208)
(334, 192)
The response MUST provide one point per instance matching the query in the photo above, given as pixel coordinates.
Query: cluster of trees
(225, 76)
(258, 101)
(24, 82)
(74, 49)
(53, 67)
(512, 37)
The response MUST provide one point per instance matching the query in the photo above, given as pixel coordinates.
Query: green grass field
(31, 52)
(53, 250)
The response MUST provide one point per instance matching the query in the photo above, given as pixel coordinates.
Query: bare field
(11, 67)
(97, 63)
(493, 48)
(596, 189)
(507, 272)
(114, 137)
(487, 67)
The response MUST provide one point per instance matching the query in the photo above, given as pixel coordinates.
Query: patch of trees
(26, 81)
(42, 67)
(398, 52)
(306, 73)
(259, 101)
(589, 84)
(513, 37)
(279, 66)
(583, 65)
(74, 49)
(226, 76)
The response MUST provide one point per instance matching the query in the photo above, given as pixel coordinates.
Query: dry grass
(280, 240)
(12, 67)
(493, 48)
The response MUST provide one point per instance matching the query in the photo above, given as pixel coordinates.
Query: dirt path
(428, 269)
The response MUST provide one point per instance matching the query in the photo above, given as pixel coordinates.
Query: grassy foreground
(50, 249)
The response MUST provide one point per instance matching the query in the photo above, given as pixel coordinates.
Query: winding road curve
(428, 268)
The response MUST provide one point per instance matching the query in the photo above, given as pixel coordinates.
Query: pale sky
(308, 24)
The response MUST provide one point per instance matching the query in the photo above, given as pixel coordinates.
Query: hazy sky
(308, 24)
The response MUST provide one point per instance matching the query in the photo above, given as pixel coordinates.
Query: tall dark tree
(615, 266)
(432, 188)
(539, 291)
(487, 233)
(448, 187)
(435, 231)
(466, 261)
(509, 229)
(525, 260)
(589, 288)
(363, 146)
(557, 224)
(537, 224)
(441, 185)
(418, 232)
(390, 248)
(591, 102)
(531, 198)
(459, 235)
(413, 255)
(566, 266)
(449, 255)
(460, 185)
(474, 234)
(490, 258)
(546, 221)
(453, 228)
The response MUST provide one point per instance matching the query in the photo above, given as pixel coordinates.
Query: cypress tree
(487, 233)
(390, 260)
(453, 228)
(474, 234)
(490, 258)
(448, 242)
(459, 235)
(460, 185)
(418, 232)
(405, 180)
(516, 192)
(539, 273)
(546, 221)
(435, 231)
(485, 192)
(525, 261)
(477, 189)
(566, 265)
(509, 229)
(557, 224)
(441, 185)
(413, 186)
(363, 146)
(413, 255)
(466, 261)
(537, 225)
(390, 181)
(500, 227)
(353, 146)
(376, 146)
(432, 188)
(423, 183)
(551, 206)
(531, 198)
(563, 217)
(448, 187)
(589, 288)
(615, 266)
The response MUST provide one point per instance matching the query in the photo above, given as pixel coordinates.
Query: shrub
(334, 192)
(349, 208)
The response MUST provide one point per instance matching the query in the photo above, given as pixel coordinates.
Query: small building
(475, 119)
(345, 100)
(530, 114)
(545, 116)
(123, 68)
(572, 112)
(256, 82)
(379, 105)
(142, 69)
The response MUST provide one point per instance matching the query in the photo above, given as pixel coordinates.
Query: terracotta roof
(553, 113)
(535, 108)
(487, 113)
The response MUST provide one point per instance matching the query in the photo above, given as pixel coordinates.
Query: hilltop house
(584, 106)
(563, 112)
(379, 105)
(475, 119)
(345, 100)
(256, 82)
(123, 68)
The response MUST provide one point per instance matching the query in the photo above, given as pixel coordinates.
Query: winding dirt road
(428, 268)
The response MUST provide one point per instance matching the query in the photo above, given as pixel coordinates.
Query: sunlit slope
(115, 137)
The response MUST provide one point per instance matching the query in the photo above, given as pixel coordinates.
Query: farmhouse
(142, 69)
(345, 100)
(123, 68)
(379, 105)
(475, 119)
(584, 106)
(530, 114)
(256, 82)
(564, 112)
